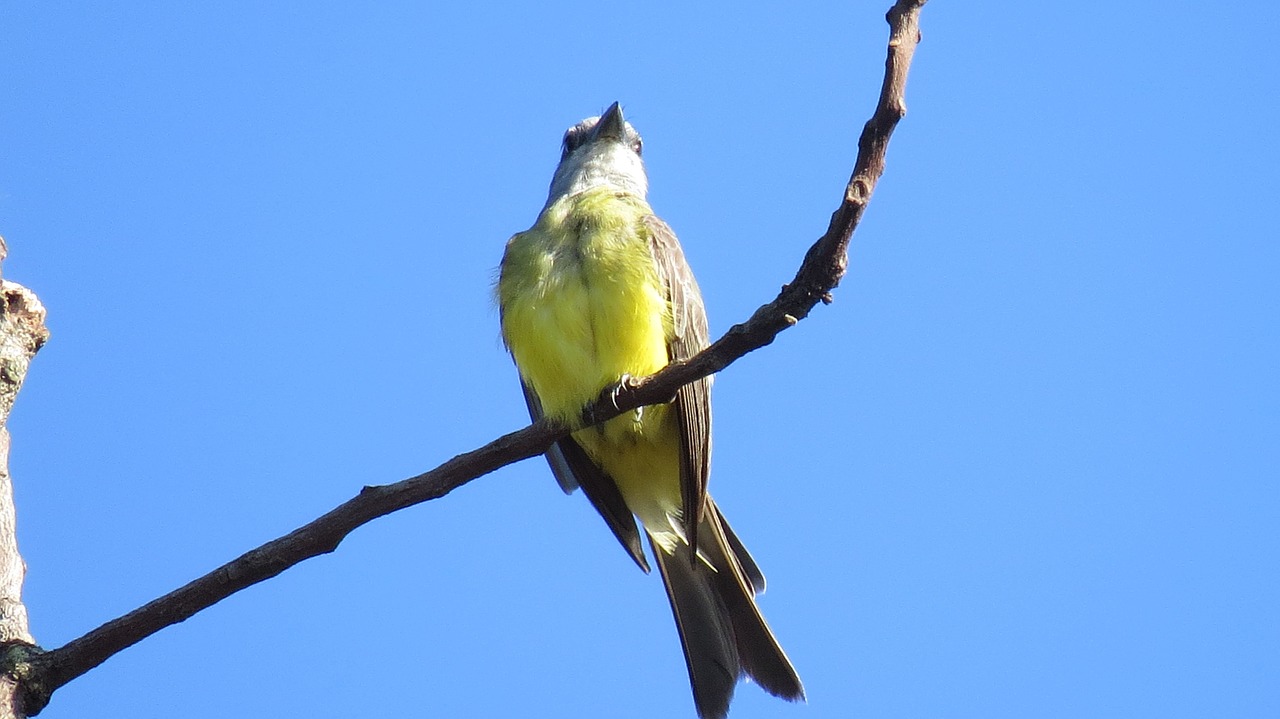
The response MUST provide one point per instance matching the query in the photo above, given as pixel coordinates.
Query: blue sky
(1024, 466)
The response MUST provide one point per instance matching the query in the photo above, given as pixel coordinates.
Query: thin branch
(825, 262)
(823, 267)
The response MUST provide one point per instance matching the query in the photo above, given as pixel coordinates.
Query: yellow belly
(582, 306)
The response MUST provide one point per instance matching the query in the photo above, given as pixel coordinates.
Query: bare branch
(823, 267)
(320, 536)
(824, 264)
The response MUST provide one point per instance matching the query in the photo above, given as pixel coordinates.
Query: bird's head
(600, 151)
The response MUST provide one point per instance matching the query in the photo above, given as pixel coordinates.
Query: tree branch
(823, 267)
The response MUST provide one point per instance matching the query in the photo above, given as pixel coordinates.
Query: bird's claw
(625, 382)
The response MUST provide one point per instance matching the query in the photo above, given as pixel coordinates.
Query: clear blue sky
(1025, 466)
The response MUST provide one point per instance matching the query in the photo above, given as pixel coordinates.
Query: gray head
(600, 152)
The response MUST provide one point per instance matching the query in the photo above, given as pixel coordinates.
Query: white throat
(599, 164)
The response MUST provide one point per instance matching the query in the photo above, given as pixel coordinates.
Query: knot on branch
(858, 191)
(19, 663)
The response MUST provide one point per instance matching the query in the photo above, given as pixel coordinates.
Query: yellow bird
(598, 290)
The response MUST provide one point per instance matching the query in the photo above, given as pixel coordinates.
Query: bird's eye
(572, 139)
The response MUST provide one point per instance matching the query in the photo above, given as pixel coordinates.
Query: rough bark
(22, 334)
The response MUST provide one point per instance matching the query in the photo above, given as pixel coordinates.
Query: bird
(598, 291)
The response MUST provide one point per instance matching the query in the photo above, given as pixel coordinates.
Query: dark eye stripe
(572, 139)
(574, 136)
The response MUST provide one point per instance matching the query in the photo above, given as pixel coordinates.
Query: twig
(823, 267)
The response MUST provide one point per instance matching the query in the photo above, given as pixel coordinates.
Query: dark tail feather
(705, 632)
(737, 579)
(721, 629)
(749, 568)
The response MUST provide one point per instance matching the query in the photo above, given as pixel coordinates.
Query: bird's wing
(693, 401)
(573, 468)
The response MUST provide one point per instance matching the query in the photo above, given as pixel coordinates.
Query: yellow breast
(582, 305)
(581, 300)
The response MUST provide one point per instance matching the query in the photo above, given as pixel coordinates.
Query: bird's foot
(625, 383)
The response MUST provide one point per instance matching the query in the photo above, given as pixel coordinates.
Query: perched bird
(599, 290)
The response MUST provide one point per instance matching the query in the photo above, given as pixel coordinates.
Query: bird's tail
(721, 629)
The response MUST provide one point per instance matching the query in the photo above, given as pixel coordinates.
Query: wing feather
(573, 468)
(689, 336)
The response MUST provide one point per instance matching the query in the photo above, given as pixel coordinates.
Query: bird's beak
(611, 125)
